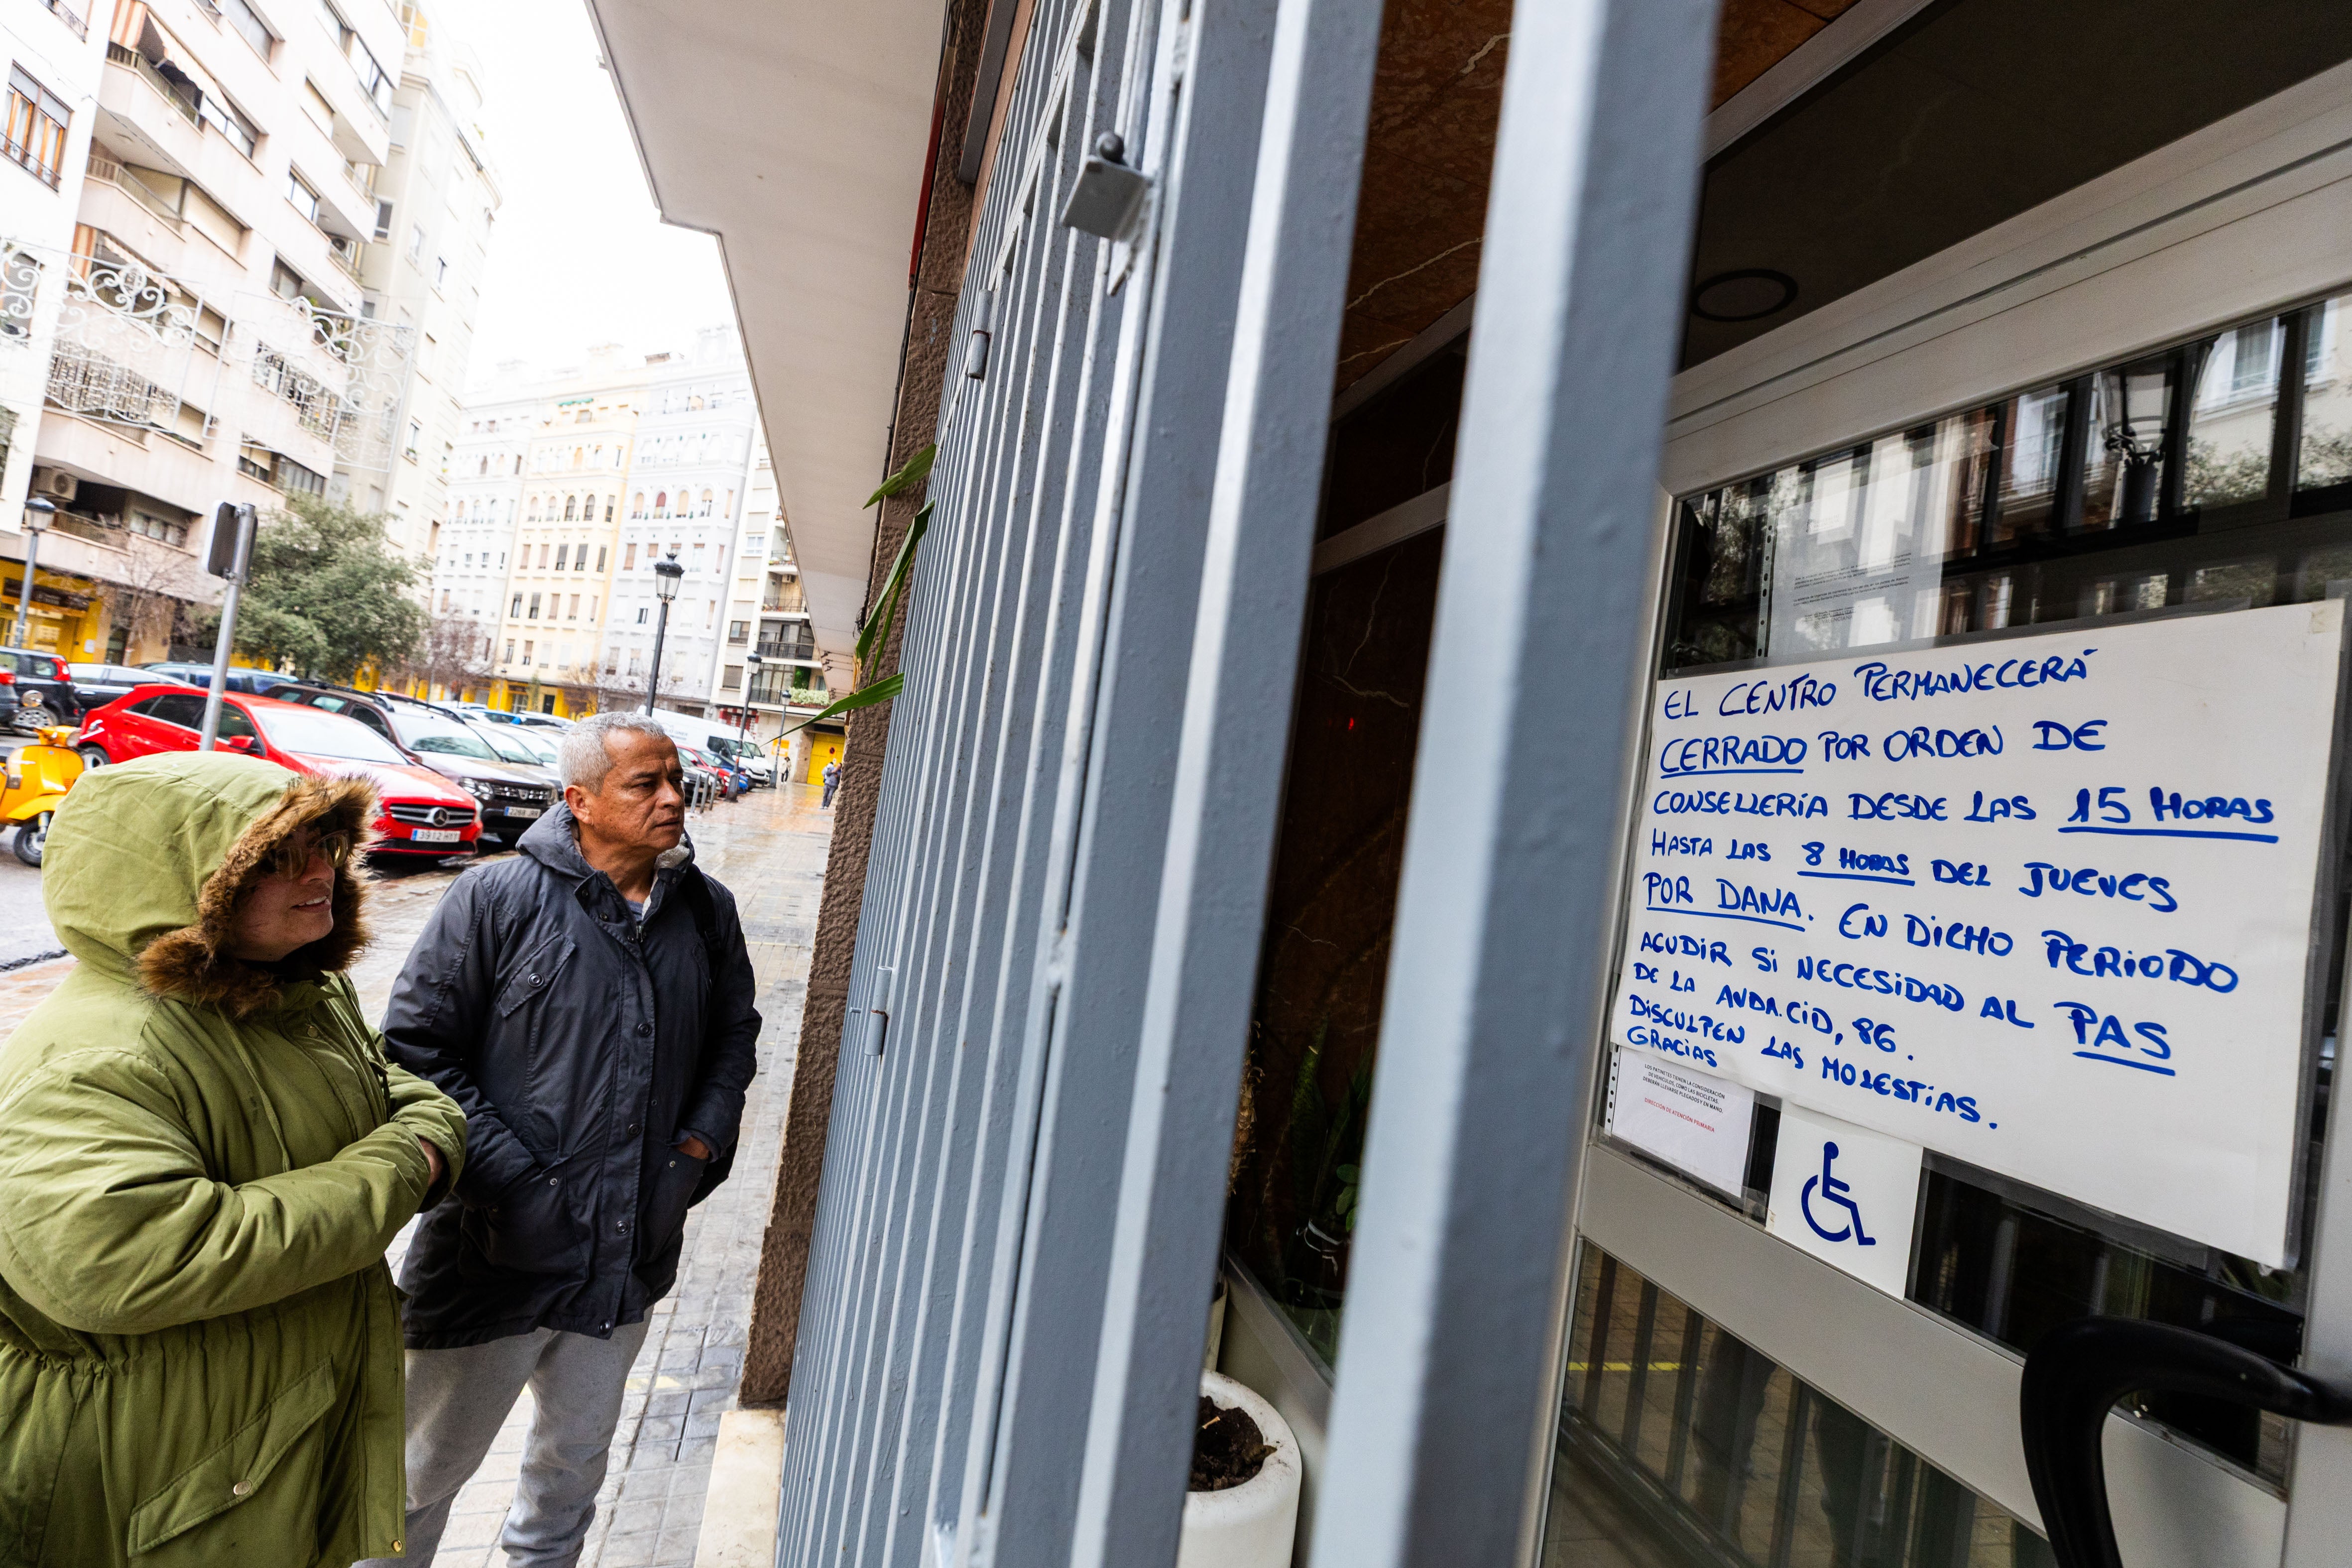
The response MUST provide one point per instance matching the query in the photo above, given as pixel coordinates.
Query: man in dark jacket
(589, 1005)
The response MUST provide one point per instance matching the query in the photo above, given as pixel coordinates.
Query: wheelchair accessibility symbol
(1834, 1195)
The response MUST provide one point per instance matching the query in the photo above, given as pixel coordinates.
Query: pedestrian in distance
(203, 1155)
(831, 781)
(589, 1003)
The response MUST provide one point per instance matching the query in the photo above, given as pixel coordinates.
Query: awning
(797, 133)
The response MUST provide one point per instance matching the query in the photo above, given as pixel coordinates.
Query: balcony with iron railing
(105, 171)
(180, 97)
(784, 599)
(788, 648)
(772, 689)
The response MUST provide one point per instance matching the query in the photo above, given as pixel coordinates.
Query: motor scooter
(37, 779)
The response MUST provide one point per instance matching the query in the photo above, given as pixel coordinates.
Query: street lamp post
(743, 729)
(667, 572)
(37, 512)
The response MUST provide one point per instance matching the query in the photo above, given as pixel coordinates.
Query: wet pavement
(768, 848)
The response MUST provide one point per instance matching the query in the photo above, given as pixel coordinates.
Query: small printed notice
(1847, 1196)
(1693, 1120)
(2045, 904)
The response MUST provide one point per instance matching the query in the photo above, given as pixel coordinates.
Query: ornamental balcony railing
(784, 598)
(143, 350)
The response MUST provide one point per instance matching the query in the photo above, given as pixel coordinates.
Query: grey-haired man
(589, 1005)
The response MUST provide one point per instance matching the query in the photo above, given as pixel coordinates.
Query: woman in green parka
(203, 1157)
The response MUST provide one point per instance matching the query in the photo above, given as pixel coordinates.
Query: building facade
(56, 57)
(214, 339)
(566, 487)
(767, 614)
(437, 201)
(1534, 738)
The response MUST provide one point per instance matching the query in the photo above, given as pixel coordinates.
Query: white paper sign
(1846, 1195)
(1694, 1121)
(2045, 904)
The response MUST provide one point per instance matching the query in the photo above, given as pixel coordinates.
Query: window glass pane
(2326, 450)
(1679, 1443)
(2153, 484)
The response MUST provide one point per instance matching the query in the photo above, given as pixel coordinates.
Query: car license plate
(524, 810)
(436, 834)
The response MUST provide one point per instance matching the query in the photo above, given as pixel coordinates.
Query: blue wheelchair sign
(1835, 1194)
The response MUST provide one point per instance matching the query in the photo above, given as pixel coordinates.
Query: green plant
(876, 633)
(325, 594)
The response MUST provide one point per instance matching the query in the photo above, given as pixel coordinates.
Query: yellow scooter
(37, 777)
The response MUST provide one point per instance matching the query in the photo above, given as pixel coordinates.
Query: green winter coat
(201, 1164)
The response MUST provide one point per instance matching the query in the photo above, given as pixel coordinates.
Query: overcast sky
(579, 254)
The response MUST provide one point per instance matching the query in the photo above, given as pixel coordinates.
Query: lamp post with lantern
(667, 574)
(37, 512)
(743, 727)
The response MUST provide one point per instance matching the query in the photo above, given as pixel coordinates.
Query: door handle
(2079, 1370)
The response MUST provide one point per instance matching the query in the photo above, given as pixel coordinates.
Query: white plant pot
(1250, 1525)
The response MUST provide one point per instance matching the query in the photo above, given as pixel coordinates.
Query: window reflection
(2146, 484)
(1681, 1443)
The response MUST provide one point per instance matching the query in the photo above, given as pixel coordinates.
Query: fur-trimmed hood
(145, 864)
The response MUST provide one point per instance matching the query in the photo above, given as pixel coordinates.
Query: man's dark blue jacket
(583, 1046)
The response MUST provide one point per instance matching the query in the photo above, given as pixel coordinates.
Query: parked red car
(424, 814)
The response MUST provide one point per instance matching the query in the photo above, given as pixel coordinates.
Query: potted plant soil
(1241, 1509)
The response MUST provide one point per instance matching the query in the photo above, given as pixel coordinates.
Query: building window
(526, 653)
(542, 556)
(305, 199)
(415, 242)
(36, 127)
(637, 504)
(514, 613)
(579, 554)
(223, 116)
(641, 614)
(510, 658)
(532, 614)
(382, 220)
(570, 514)
(440, 272)
(20, 285)
(609, 501)
(415, 438)
(739, 631)
(732, 679)
(249, 28)
(560, 551)
(629, 558)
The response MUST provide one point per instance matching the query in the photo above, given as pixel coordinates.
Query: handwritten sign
(2044, 904)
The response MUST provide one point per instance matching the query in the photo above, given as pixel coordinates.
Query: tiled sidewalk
(769, 849)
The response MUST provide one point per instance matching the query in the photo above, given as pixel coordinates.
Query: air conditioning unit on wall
(56, 484)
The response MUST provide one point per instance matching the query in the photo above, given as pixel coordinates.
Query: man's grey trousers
(457, 1400)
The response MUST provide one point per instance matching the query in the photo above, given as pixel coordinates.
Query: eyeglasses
(292, 857)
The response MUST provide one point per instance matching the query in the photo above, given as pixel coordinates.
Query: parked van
(719, 740)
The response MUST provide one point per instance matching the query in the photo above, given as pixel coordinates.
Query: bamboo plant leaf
(878, 625)
(865, 697)
(912, 472)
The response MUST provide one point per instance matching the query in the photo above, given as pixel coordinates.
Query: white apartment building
(687, 492)
(767, 614)
(214, 339)
(484, 502)
(55, 57)
(436, 200)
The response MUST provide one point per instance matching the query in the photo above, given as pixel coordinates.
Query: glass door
(1896, 876)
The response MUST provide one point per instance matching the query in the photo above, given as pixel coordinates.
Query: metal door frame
(2239, 218)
